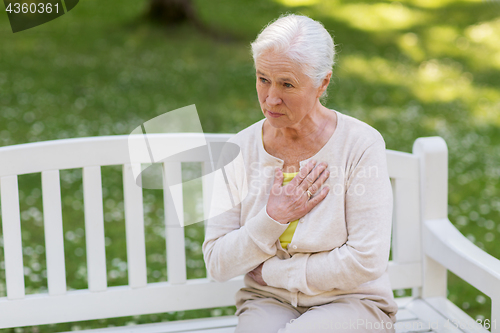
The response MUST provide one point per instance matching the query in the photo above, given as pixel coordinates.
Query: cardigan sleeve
(364, 257)
(233, 247)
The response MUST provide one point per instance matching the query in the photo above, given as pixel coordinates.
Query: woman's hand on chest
(294, 200)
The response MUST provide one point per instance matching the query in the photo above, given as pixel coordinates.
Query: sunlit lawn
(410, 69)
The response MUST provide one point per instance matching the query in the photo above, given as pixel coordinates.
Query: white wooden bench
(424, 244)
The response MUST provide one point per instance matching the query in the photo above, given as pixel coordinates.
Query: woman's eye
(263, 80)
(288, 85)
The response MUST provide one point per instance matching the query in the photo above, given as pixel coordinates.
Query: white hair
(304, 40)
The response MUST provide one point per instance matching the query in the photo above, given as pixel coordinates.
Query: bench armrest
(446, 245)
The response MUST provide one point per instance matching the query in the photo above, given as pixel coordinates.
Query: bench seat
(414, 315)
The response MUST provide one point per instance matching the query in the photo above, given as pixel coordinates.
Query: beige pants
(260, 314)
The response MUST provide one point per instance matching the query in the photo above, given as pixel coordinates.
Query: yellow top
(286, 237)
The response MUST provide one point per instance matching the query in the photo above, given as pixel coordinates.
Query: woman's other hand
(291, 202)
(256, 274)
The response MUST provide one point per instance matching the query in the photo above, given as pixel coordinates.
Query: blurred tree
(175, 12)
(172, 12)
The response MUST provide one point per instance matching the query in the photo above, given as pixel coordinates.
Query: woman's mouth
(274, 114)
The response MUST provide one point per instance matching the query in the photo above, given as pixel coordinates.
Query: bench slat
(406, 225)
(94, 228)
(404, 315)
(412, 326)
(402, 165)
(405, 275)
(12, 241)
(134, 224)
(174, 219)
(225, 324)
(430, 318)
(207, 186)
(53, 227)
(449, 310)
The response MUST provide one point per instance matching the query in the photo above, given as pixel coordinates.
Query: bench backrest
(139, 297)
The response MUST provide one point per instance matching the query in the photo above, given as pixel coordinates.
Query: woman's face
(285, 93)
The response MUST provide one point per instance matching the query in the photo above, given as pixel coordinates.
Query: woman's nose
(273, 97)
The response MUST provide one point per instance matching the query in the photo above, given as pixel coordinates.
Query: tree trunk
(172, 12)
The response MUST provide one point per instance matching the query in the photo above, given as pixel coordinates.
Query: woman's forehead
(279, 65)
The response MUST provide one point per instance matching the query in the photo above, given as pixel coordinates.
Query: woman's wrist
(275, 219)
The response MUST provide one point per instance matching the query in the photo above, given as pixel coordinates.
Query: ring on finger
(309, 194)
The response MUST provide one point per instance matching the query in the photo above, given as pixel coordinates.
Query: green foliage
(410, 68)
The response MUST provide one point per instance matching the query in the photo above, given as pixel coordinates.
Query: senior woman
(309, 222)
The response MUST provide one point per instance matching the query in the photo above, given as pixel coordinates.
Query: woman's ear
(324, 84)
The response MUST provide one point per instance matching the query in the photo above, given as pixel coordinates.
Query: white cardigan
(339, 249)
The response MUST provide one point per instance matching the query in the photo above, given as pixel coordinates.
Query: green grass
(409, 68)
